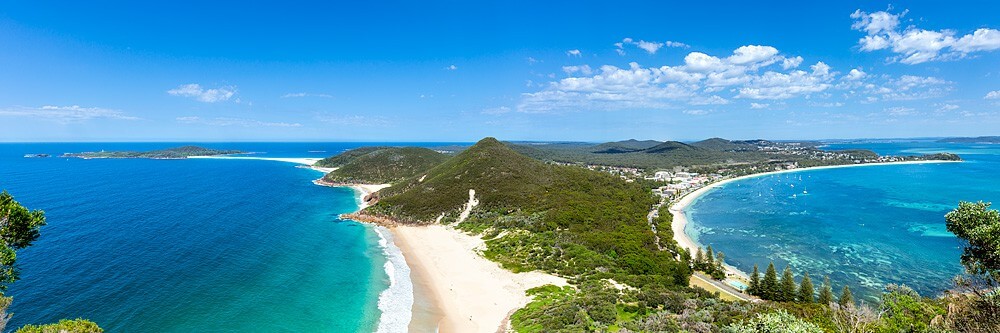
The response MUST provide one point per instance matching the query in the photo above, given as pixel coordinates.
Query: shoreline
(465, 292)
(680, 219)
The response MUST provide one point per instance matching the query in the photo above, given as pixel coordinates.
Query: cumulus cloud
(898, 111)
(702, 79)
(914, 45)
(855, 74)
(697, 112)
(906, 87)
(226, 121)
(574, 53)
(992, 95)
(759, 105)
(65, 114)
(194, 90)
(789, 63)
(451, 68)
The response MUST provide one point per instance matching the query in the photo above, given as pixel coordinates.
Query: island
(161, 154)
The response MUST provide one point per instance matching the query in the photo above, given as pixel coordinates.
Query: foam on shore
(396, 301)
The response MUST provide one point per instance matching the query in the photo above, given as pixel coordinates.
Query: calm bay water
(865, 227)
(192, 245)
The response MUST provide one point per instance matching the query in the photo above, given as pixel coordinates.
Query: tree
(709, 258)
(806, 289)
(754, 287)
(787, 285)
(769, 286)
(18, 229)
(699, 259)
(980, 227)
(826, 293)
(846, 299)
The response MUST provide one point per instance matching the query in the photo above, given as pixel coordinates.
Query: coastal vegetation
(379, 165)
(19, 228)
(627, 273)
(170, 153)
(735, 157)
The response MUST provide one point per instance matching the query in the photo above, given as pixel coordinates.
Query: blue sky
(458, 71)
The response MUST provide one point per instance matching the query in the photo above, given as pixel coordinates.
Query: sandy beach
(469, 293)
(680, 220)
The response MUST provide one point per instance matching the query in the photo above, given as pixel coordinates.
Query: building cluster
(681, 182)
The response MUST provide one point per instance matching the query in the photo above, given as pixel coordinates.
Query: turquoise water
(865, 227)
(193, 245)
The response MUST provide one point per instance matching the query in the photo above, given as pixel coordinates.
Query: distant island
(980, 139)
(161, 154)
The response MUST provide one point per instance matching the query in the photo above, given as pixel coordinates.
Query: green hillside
(380, 165)
(562, 219)
(626, 146)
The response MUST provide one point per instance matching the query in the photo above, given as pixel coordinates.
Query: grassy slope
(381, 165)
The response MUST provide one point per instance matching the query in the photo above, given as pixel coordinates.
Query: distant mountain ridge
(979, 139)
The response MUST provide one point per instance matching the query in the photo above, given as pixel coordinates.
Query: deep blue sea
(865, 227)
(141, 245)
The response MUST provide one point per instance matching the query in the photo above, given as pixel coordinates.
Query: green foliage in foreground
(381, 165)
(18, 229)
(774, 322)
(63, 326)
(980, 226)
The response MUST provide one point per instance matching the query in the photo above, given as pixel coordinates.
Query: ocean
(864, 227)
(199, 245)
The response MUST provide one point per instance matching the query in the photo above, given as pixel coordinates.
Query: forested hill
(562, 219)
(380, 165)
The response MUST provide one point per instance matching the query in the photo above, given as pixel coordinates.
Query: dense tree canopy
(980, 226)
(18, 229)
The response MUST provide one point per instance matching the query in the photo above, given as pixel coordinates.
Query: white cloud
(303, 94)
(697, 112)
(898, 111)
(194, 90)
(759, 105)
(496, 110)
(789, 63)
(226, 121)
(702, 79)
(855, 74)
(583, 69)
(992, 95)
(649, 46)
(947, 107)
(574, 53)
(913, 45)
(451, 68)
(65, 114)
(907, 87)
(750, 54)
(354, 120)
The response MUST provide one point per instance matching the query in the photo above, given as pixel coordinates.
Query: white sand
(680, 220)
(297, 160)
(472, 293)
(364, 190)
